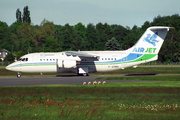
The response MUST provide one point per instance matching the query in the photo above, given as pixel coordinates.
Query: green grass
(158, 98)
(110, 101)
(154, 78)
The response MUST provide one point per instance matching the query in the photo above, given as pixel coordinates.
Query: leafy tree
(18, 16)
(3, 31)
(51, 45)
(22, 37)
(79, 33)
(120, 33)
(77, 41)
(14, 36)
(104, 33)
(145, 25)
(5, 42)
(57, 32)
(13, 27)
(170, 49)
(66, 37)
(101, 36)
(112, 44)
(26, 15)
(91, 38)
(25, 46)
(9, 57)
(131, 38)
(45, 30)
(26, 31)
(81, 28)
(108, 31)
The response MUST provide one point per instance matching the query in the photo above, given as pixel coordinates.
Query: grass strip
(154, 78)
(110, 101)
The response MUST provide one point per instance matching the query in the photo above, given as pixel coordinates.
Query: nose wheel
(18, 75)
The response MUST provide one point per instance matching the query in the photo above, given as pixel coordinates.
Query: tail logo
(152, 39)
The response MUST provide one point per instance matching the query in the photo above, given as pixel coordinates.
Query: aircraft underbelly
(38, 69)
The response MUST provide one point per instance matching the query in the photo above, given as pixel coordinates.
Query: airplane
(83, 62)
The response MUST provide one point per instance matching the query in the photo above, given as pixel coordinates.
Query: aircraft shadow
(68, 76)
(150, 74)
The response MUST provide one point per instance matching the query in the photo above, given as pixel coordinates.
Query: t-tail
(149, 44)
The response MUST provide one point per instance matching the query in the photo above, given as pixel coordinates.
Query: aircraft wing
(80, 54)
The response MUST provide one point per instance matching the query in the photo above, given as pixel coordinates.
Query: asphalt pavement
(58, 80)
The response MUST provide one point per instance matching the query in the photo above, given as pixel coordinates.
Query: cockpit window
(23, 59)
(20, 59)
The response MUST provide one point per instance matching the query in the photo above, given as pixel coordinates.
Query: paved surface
(65, 80)
(73, 80)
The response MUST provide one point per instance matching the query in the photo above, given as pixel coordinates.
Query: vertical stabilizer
(151, 41)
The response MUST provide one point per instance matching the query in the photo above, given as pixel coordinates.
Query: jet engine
(66, 63)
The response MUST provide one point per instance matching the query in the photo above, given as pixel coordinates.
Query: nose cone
(13, 67)
(8, 67)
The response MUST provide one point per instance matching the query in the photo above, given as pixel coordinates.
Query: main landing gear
(19, 75)
(83, 71)
(85, 74)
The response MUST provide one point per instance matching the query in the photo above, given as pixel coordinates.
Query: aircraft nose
(8, 67)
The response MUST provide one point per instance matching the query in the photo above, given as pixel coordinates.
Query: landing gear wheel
(18, 75)
(85, 74)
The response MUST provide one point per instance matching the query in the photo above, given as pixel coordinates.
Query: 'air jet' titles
(141, 49)
(150, 50)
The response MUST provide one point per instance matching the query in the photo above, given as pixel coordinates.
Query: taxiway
(66, 80)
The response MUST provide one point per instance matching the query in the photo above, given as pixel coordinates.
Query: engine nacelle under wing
(66, 64)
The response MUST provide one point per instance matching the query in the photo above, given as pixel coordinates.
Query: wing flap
(80, 54)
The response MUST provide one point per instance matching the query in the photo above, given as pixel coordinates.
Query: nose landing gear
(19, 75)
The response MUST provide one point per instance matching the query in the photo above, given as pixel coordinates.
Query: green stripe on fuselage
(143, 58)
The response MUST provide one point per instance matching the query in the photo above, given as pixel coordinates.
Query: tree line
(22, 37)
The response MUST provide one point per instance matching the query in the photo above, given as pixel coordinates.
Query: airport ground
(143, 93)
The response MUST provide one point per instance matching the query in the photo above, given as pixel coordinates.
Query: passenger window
(26, 59)
(105, 58)
(108, 58)
(114, 58)
(40, 59)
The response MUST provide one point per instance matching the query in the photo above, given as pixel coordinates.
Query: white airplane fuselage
(82, 62)
(48, 62)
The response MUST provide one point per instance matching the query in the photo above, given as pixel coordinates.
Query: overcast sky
(121, 12)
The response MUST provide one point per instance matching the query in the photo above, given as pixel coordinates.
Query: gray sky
(121, 12)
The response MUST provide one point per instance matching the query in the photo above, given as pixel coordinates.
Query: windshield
(23, 59)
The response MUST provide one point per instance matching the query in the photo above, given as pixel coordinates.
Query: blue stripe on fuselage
(130, 57)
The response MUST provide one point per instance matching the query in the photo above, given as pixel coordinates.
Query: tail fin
(149, 44)
(151, 41)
